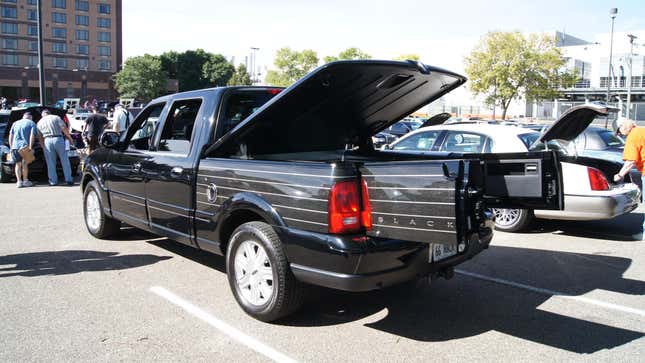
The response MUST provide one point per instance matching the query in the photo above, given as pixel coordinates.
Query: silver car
(589, 191)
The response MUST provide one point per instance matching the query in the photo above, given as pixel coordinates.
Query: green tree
(349, 53)
(410, 56)
(217, 70)
(292, 65)
(169, 61)
(507, 65)
(241, 77)
(141, 77)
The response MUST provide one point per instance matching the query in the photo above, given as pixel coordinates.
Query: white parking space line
(606, 305)
(222, 326)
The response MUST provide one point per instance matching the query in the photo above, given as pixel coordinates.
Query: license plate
(440, 252)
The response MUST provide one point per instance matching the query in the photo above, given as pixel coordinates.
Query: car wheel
(98, 224)
(512, 220)
(4, 177)
(259, 273)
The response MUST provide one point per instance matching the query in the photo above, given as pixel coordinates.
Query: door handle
(176, 171)
(136, 167)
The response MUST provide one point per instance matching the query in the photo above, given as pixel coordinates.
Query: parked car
(286, 184)
(38, 166)
(78, 118)
(382, 138)
(403, 127)
(589, 191)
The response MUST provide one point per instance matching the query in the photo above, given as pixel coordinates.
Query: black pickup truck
(288, 186)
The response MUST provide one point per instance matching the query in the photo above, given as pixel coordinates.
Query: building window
(32, 30)
(9, 43)
(9, 28)
(104, 65)
(8, 12)
(104, 8)
(33, 46)
(103, 51)
(32, 2)
(60, 18)
(60, 4)
(33, 61)
(82, 20)
(10, 59)
(32, 14)
(9, 1)
(82, 5)
(82, 35)
(82, 64)
(59, 33)
(104, 22)
(59, 47)
(60, 63)
(105, 37)
(82, 49)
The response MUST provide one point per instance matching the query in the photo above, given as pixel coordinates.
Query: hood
(574, 121)
(338, 104)
(437, 119)
(16, 115)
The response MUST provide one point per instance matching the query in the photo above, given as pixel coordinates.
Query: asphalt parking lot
(564, 291)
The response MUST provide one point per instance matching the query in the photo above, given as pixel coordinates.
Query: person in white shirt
(121, 119)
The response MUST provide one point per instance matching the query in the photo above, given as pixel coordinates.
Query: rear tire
(512, 220)
(259, 274)
(98, 224)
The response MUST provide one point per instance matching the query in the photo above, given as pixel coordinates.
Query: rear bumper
(376, 264)
(591, 207)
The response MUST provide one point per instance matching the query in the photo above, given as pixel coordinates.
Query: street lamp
(612, 14)
(254, 49)
(629, 80)
(41, 61)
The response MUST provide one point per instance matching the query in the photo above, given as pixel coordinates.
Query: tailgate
(415, 200)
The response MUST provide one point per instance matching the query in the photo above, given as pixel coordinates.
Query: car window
(610, 139)
(463, 142)
(399, 128)
(421, 141)
(240, 105)
(177, 132)
(580, 141)
(147, 123)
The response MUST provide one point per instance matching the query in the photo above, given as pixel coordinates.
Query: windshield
(610, 139)
(531, 137)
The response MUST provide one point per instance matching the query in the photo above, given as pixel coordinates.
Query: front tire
(512, 220)
(259, 274)
(98, 224)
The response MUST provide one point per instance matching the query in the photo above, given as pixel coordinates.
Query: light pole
(253, 49)
(612, 13)
(41, 62)
(629, 80)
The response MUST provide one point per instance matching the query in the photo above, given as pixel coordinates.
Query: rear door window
(421, 141)
(145, 124)
(177, 132)
(463, 142)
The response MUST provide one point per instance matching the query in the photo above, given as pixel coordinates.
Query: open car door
(519, 180)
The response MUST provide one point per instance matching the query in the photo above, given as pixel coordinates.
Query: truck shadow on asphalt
(624, 228)
(70, 262)
(466, 307)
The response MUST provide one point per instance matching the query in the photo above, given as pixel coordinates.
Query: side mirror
(109, 139)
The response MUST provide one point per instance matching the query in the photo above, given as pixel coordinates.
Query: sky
(441, 32)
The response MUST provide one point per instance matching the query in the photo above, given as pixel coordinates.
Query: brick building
(82, 43)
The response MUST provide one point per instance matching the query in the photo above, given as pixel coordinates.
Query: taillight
(597, 179)
(349, 207)
(274, 91)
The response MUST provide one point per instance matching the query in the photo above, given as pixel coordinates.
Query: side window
(177, 130)
(463, 142)
(489, 145)
(580, 141)
(421, 141)
(240, 105)
(145, 125)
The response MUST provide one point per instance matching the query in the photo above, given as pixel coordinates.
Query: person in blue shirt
(23, 133)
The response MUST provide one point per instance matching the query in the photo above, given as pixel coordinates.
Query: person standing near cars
(94, 126)
(633, 153)
(22, 134)
(52, 129)
(121, 119)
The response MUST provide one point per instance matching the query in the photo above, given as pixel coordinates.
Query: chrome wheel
(253, 273)
(506, 217)
(92, 211)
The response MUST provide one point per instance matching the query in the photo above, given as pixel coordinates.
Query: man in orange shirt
(633, 154)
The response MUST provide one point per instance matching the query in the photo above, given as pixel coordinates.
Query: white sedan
(589, 192)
